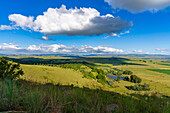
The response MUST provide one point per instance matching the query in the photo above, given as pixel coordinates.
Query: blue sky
(150, 32)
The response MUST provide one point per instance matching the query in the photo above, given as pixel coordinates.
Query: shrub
(9, 70)
(127, 72)
(138, 88)
(101, 78)
(118, 78)
(91, 75)
(135, 79)
(119, 72)
(127, 78)
(110, 82)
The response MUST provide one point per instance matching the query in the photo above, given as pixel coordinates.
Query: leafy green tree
(91, 75)
(127, 72)
(101, 78)
(9, 70)
(135, 79)
(127, 78)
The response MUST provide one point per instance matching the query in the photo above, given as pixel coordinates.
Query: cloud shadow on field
(75, 59)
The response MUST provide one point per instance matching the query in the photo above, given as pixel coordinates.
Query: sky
(85, 27)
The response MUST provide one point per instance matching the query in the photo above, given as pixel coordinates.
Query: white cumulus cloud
(98, 49)
(71, 22)
(22, 21)
(135, 6)
(44, 38)
(6, 27)
(10, 48)
(137, 51)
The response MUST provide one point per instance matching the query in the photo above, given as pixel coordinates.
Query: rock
(112, 107)
(4, 99)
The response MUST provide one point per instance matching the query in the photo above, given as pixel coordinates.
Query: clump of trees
(115, 71)
(9, 70)
(134, 79)
(139, 87)
(100, 77)
(127, 72)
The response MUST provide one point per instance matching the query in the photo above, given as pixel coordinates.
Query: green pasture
(161, 71)
(157, 78)
(47, 74)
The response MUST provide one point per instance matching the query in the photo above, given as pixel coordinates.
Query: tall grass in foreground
(32, 97)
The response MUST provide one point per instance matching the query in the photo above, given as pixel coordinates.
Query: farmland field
(161, 71)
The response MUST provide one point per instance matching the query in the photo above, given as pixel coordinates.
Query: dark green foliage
(116, 71)
(118, 78)
(101, 78)
(135, 79)
(100, 73)
(166, 71)
(9, 70)
(127, 78)
(144, 61)
(71, 66)
(127, 72)
(138, 88)
(119, 72)
(91, 75)
(164, 64)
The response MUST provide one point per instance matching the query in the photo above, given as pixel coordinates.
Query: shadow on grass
(83, 60)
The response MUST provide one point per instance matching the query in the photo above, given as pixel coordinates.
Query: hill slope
(55, 75)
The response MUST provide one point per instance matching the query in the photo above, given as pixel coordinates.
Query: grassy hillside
(55, 75)
(23, 96)
(159, 82)
(59, 84)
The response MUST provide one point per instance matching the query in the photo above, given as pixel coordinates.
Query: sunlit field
(159, 81)
(76, 77)
(55, 75)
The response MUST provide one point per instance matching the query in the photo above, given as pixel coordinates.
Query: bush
(119, 72)
(127, 78)
(91, 75)
(135, 79)
(110, 82)
(138, 88)
(9, 70)
(101, 78)
(127, 72)
(118, 78)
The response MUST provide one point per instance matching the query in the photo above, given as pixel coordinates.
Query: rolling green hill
(47, 74)
(59, 84)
